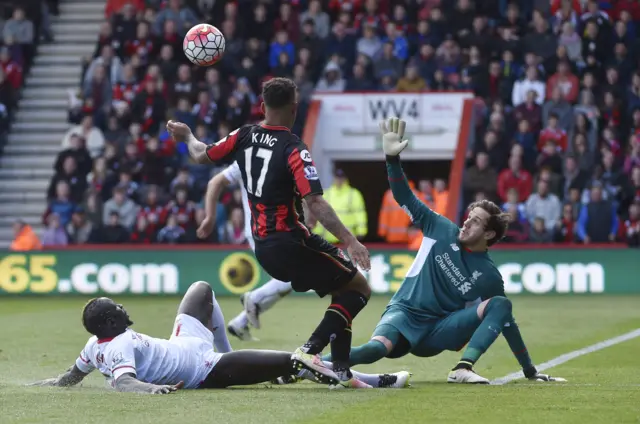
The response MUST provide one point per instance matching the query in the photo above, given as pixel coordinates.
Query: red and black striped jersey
(277, 173)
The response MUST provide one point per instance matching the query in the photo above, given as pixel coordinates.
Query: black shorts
(310, 263)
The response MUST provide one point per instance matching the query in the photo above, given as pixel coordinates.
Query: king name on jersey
(264, 139)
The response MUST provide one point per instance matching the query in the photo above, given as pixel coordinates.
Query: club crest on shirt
(311, 173)
(117, 359)
(455, 247)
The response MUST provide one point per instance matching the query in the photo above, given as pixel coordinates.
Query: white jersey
(233, 175)
(187, 356)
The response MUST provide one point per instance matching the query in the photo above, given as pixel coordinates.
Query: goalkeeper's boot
(465, 376)
(313, 363)
(348, 380)
(397, 380)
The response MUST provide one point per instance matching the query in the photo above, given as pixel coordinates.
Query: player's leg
(239, 325)
(200, 302)
(246, 367)
(263, 298)
(328, 271)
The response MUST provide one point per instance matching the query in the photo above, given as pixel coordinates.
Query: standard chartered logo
(116, 278)
(543, 278)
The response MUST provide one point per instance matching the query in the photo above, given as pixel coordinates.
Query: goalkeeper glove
(532, 374)
(392, 142)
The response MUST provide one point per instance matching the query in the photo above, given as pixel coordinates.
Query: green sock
(496, 314)
(368, 353)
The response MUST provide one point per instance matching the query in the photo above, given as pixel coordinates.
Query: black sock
(337, 318)
(465, 364)
(340, 350)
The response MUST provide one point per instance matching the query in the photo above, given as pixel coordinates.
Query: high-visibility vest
(393, 221)
(26, 240)
(350, 208)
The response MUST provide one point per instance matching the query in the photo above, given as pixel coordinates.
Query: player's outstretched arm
(393, 144)
(70, 378)
(215, 186)
(128, 383)
(511, 333)
(182, 134)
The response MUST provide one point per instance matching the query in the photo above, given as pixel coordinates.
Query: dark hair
(90, 320)
(279, 92)
(498, 221)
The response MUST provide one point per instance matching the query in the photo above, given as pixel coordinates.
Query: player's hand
(166, 389)
(392, 142)
(49, 382)
(206, 227)
(179, 131)
(547, 378)
(359, 254)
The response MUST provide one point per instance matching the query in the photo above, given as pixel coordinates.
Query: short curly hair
(498, 221)
(279, 92)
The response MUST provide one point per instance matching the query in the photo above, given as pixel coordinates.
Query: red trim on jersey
(262, 220)
(253, 221)
(220, 150)
(296, 218)
(123, 366)
(106, 340)
(281, 214)
(84, 360)
(274, 127)
(178, 328)
(297, 169)
(342, 309)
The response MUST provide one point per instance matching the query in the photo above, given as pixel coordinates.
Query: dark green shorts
(424, 336)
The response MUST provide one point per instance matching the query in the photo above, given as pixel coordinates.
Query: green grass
(39, 338)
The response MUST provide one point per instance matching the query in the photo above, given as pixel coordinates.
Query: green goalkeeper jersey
(444, 276)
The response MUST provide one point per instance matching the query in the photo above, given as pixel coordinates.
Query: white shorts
(189, 333)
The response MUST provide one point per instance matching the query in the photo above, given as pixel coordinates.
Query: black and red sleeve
(304, 171)
(221, 150)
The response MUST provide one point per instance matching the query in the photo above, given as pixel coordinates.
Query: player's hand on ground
(179, 131)
(547, 378)
(49, 382)
(165, 389)
(359, 254)
(392, 136)
(206, 228)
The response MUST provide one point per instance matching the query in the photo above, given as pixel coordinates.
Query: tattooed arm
(129, 383)
(70, 378)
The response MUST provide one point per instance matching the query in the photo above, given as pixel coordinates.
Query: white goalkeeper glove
(533, 375)
(392, 142)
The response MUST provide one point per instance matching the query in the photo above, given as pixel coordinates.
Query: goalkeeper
(431, 311)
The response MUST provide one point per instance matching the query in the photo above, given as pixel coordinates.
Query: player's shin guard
(337, 318)
(496, 315)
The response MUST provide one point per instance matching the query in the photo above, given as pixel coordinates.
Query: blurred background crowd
(557, 86)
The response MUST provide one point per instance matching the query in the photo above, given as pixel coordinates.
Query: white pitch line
(571, 355)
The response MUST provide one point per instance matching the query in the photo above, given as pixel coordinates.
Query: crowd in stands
(557, 91)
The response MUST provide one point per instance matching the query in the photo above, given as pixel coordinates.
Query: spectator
(19, 28)
(387, 64)
(515, 177)
(92, 135)
(370, 44)
(332, 80)
(125, 209)
(183, 17)
(543, 204)
(78, 151)
(582, 153)
(513, 201)
(149, 107)
(565, 231)
(320, 19)
(630, 228)
(399, 42)
(440, 196)
(554, 180)
(393, 221)
(54, 234)
(172, 233)
(542, 42)
(550, 158)
(530, 83)
(181, 208)
(79, 228)
(142, 233)
(282, 44)
(568, 83)
(559, 107)
(573, 177)
(72, 177)
(554, 134)
(598, 222)
(11, 70)
(518, 230)
(570, 39)
(25, 239)
(349, 205)
(426, 63)
(113, 232)
(540, 232)
(529, 111)
(234, 229)
(111, 64)
(411, 82)
(481, 177)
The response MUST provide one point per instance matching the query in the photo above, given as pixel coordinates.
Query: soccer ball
(203, 45)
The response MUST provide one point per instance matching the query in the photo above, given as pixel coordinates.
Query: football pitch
(40, 338)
